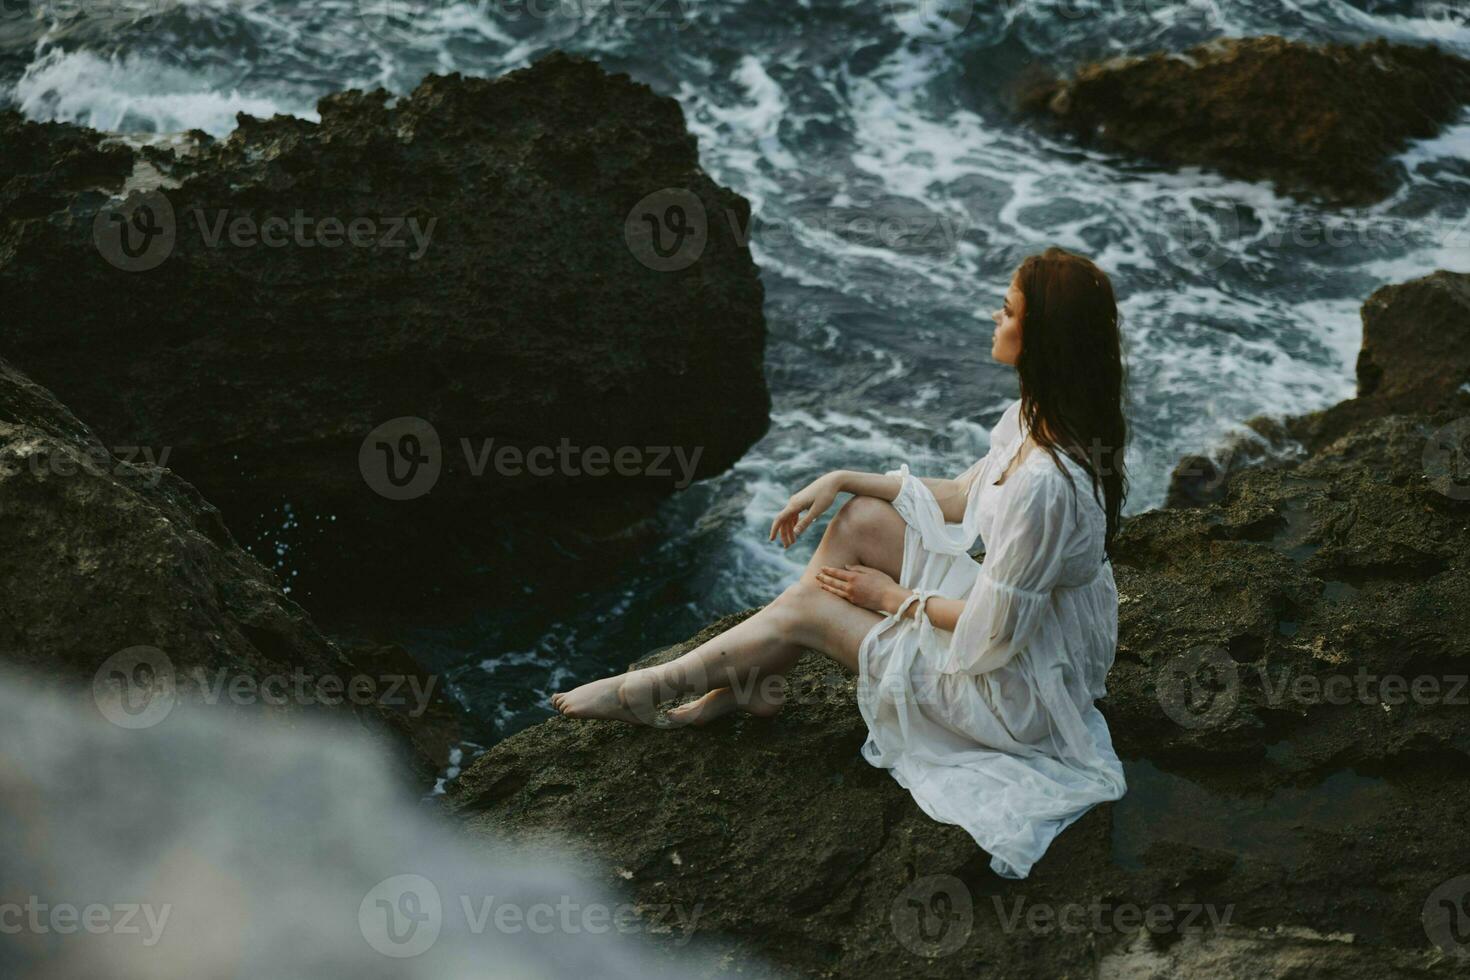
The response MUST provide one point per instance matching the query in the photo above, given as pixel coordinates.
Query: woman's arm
(812, 500)
(952, 493)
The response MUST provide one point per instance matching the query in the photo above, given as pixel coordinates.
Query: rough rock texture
(528, 317)
(1320, 121)
(1415, 356)
(1290, 701)
(1199, 478)
(100, 555)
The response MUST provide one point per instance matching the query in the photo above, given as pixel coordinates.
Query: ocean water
(893, 195)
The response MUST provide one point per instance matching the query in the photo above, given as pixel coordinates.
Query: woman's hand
(862, 586)
(813, 499)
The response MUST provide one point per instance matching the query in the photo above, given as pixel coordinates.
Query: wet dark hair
(1072, 372)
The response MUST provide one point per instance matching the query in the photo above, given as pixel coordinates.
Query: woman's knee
(792, 612)
(862, 517)
(787, 609)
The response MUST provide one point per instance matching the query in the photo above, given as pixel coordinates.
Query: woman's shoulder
(1047, 475)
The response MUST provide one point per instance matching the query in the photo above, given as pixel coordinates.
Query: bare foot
(622, 697)
(717, 704)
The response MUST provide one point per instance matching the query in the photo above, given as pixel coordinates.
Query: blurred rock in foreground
(209, 846)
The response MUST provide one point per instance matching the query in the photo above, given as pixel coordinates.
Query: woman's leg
(743, 666)
(833, 626)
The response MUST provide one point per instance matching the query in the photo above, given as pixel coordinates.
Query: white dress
(992, 726)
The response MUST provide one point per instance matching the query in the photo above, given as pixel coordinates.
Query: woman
(977, 681)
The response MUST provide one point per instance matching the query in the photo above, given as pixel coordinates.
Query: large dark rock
(121, 583)
(1415, 357)
(1289, 699)
(1320, 121)
(531, 309)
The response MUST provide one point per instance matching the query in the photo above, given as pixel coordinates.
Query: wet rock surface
(1290, 701)
(536, 260)
(119, 579)
(1415, 357)
(1321, 121)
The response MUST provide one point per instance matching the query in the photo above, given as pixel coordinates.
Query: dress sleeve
(1035, 524)
(918, 506)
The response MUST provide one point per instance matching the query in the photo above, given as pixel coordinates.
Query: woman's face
(1006, 346)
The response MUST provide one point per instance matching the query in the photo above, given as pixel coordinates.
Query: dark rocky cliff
(536, 259)
(123, 586)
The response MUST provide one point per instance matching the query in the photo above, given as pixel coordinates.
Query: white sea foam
(134, 93)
